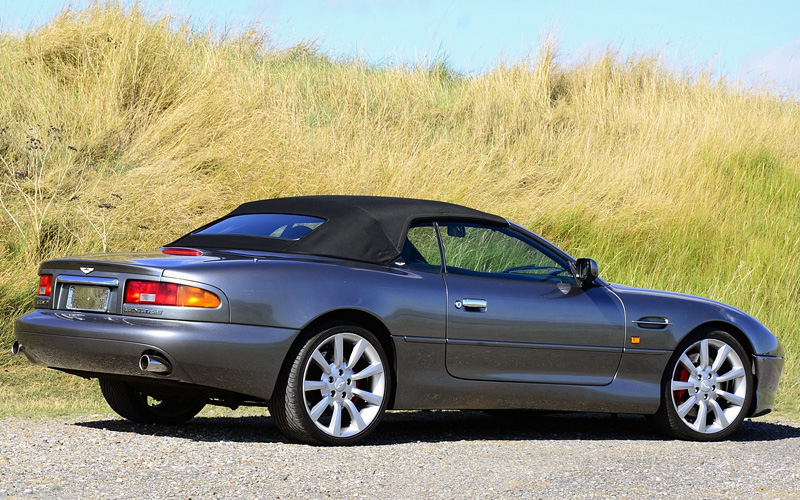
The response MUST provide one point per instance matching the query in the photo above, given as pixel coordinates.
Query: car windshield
(283, 226)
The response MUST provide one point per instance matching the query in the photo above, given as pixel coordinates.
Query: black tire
(137, 406)
(708, 400)
(309, 401)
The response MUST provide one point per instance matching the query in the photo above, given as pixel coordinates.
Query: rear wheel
(335, 389)
(707, 389)
(139, 406)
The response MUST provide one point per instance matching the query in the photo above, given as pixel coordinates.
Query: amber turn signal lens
(168, 294)
(190, 296)
(45, 285)
(634, 340)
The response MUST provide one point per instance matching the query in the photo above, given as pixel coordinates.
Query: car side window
(500, 252)
(421, 249)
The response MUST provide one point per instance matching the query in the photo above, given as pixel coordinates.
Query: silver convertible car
(332, 310)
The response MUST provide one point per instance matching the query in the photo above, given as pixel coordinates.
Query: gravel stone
(412, 455)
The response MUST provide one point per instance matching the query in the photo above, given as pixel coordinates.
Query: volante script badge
(87, 270)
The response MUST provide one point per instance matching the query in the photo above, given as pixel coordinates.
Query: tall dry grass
(120, 131)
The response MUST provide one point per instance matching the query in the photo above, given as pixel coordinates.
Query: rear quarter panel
(293, 293)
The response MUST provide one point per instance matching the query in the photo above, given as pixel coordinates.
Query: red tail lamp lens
(168, 294)
(45, 285)
(181, 251)
(151, 292)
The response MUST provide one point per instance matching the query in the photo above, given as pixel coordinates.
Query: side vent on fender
(652, 322)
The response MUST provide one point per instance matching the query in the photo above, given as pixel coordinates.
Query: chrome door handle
(478, 305)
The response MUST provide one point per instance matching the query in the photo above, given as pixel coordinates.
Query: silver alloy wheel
(343, 385)
(709, 386)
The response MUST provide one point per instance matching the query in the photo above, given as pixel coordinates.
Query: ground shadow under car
(443, 426)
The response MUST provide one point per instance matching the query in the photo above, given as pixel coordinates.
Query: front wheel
(139, 406)
(335, 388)
(707, 389)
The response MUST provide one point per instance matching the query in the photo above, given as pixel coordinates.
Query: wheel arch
(734, 331)
(738, 334)
(357, 317)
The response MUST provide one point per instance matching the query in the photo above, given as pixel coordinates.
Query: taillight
(45, 285)
(151, 292)
(181, 251)
(168, 294)
(190, 296)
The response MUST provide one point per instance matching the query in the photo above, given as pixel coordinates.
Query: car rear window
(282, 226)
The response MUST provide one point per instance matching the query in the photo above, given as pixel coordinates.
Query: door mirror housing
(586, 270)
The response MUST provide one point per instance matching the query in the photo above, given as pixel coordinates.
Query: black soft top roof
(363, 228)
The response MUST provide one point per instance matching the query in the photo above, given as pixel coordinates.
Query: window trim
(550, 251)
(540, 244)
(434, 224)
(443, 267)
(201, 231)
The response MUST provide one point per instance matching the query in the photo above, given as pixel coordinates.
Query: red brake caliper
(682, 376)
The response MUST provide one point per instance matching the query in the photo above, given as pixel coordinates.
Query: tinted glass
(421, 250)
(500, 252)
(283, 226)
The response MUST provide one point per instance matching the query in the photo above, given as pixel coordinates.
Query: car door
(517, 314)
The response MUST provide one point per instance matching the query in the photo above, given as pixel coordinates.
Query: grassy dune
(121, 132)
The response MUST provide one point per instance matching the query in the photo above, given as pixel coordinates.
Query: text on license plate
(87, 298)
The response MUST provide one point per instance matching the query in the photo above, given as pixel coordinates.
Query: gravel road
(412, 455)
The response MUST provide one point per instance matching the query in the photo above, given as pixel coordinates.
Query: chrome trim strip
(424, 340)
(635, 350)
(525, 345)
(87, 280)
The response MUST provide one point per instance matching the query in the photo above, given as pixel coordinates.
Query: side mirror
(586, 271)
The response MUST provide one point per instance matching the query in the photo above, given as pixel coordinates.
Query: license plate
(88, 298)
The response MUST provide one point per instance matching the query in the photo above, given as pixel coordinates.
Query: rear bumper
(768, 373)
(244, 359)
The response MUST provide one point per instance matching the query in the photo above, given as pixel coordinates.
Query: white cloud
(777, 69)
(590, 50)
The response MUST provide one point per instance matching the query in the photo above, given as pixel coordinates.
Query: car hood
(661, 295)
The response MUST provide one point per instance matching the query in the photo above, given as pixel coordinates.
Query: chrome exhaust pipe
(155, 364)
(16, 348)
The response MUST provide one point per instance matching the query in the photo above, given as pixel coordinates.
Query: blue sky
(754, 42)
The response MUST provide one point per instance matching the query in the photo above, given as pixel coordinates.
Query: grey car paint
(534, 332)
(237, 350)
